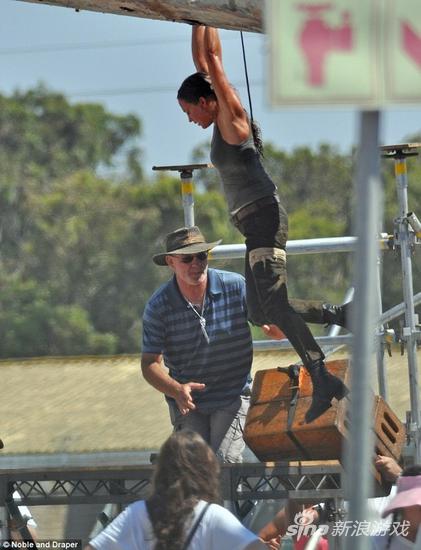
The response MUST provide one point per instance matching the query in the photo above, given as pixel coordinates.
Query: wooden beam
(244, 15)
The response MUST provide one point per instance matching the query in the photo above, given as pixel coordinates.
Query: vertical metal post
(4, 530)
(410, 330)
(186, 175)
(21, 522)
(187, 196)
(380, 344)
(359, 447)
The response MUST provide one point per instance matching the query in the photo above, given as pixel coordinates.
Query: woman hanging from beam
(208, 98)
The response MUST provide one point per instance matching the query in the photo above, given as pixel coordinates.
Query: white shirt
(132, 530)
(375, 509)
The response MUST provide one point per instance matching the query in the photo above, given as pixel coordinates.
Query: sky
(134, 65)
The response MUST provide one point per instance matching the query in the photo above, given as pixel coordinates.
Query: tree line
(80, 221)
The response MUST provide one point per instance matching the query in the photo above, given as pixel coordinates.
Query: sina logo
(304, 526)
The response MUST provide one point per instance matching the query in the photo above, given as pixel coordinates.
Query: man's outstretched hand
(184, 398)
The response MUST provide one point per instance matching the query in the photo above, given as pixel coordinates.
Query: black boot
(326, 386)
(337, 315)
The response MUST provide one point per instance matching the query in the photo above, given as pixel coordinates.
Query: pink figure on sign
(411, 42)
(318, 39)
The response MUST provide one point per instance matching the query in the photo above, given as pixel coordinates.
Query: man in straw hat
(196, 324)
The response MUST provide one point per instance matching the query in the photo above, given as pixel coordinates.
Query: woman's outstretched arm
(232, 119)
(198, 48)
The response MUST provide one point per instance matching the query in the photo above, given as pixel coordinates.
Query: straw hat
(187, 240)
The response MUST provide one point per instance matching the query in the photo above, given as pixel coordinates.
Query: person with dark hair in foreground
(208, 98)
(183, 511)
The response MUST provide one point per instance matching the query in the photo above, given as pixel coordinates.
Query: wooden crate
(270, 438)
(390, 432)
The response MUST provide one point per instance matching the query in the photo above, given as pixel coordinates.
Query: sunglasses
(188, 258)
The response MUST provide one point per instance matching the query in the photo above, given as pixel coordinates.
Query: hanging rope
(257, 138)
(247, 76)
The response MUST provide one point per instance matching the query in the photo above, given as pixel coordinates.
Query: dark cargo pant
(266, 234)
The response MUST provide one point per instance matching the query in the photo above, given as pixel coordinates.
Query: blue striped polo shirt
(171, 328)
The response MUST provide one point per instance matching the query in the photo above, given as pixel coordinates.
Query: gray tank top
(244, 180)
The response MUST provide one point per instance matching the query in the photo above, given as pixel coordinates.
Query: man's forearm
(156, 376)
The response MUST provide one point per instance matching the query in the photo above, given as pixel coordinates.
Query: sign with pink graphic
(403, 52)
(364, 52)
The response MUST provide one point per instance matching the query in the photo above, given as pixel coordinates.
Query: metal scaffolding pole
(398, 310)
(380, 343)
(298, 246)
(405, 239)
(328, 340)
(359, 448)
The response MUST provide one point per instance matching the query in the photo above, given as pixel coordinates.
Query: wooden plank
(244, 15)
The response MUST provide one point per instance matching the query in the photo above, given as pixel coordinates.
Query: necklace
(199, 315)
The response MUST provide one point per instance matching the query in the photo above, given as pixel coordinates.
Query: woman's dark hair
(187, 471)
(194, 87)
(257, 137)
(199, 85)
